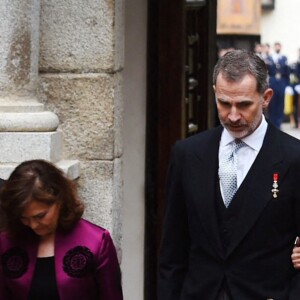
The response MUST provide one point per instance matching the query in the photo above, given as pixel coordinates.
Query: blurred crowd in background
(284, 79)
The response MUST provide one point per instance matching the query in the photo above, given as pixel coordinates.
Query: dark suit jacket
(257, 262)
(279, 84)
(1, 182)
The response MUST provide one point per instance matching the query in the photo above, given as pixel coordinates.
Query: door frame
(165, 107)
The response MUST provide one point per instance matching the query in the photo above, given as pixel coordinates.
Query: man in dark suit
(237, 249)
(279, 73)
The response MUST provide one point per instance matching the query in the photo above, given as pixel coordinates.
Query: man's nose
(234, 115)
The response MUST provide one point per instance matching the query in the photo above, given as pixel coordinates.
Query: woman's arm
(108, 273)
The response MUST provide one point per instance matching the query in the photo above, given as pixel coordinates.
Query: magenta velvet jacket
(86, 265)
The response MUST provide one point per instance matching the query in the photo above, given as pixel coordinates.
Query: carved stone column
(27, 131)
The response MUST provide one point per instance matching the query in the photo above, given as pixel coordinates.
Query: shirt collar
(254, 140)
(276, 57)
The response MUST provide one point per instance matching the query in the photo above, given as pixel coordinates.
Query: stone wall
(81, 60)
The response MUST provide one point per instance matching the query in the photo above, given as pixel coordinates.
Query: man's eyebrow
(221, 99)
(237, 101)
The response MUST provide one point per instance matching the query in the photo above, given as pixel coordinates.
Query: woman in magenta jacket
(47, 250)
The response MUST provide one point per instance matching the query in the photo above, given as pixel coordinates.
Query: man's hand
(296, 254)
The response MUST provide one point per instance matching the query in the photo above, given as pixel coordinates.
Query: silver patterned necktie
(228, 172)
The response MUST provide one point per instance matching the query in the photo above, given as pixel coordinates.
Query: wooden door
(181, 56)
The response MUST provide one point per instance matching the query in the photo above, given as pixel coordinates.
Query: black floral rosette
(78, 262)
(14, 262)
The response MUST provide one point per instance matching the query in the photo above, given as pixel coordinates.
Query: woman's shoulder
(90, 224)
(90, 235)
(85, 226)
(4, 236)
(6, 241)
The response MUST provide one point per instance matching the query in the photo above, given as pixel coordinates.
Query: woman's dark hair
(41, 181)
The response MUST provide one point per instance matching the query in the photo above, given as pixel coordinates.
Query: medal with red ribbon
(275, 185)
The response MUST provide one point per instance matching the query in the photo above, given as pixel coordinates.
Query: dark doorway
(181, 55)
(237, 41)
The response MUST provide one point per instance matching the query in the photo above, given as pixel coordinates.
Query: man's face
(277, 48)
(239, 105)
(266, 49)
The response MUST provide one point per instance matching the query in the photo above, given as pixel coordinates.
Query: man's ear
(267, 96)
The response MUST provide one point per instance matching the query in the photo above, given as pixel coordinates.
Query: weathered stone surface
(117, 204)
(118, 117)
(20, 146)
(81, 57)
(119, 37)
(30, 122)
(70, 167)
(79, 35)
(15, 103)
(19, 28)
(100, 187)
(86, 110)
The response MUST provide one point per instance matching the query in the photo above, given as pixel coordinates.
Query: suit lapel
(256, 187)
(208, 166)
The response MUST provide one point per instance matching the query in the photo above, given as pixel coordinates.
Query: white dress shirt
(247, 154)
(276, 57)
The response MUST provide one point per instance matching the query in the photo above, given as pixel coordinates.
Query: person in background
(279, 73)
(289, 105)
(265, 50)
(295, 82)
(233, 198)
(266, 56)
(297, 65)
(258, 48)
(47, 251)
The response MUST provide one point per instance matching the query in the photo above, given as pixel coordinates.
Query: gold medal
(278, 76)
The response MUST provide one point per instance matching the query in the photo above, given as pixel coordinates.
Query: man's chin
(237, 133)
